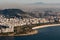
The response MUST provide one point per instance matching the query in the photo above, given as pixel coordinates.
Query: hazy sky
(29, 1)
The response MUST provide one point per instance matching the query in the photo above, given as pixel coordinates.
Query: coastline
(29, 33)
(43, 26)
(35, 31)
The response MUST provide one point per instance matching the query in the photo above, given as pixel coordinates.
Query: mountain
(37, 3)
(42, 3)
(11, 13)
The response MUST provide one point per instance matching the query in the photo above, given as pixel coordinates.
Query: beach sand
(42, 26)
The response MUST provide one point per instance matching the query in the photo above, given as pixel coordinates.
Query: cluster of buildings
(8, 24)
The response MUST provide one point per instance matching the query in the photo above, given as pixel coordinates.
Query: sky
(16, 3)
(28, 1)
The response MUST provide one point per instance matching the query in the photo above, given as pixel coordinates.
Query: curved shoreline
(29, 33)
(43, 26)
(35, 31)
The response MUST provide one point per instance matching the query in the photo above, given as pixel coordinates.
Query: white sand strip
(37, 27)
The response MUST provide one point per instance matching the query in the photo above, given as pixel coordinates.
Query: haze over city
(29, 1)
(22, 3)
(30, 19)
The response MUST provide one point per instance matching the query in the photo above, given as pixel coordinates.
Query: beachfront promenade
(43, 26)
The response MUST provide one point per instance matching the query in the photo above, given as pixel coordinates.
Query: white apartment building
(6, 29)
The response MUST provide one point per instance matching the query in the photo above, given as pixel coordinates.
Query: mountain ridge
(42, 3)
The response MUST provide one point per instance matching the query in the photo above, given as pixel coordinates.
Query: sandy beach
(42, 26)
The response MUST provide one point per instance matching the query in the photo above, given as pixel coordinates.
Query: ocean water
(48, 33)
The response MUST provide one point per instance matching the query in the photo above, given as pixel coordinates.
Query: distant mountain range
(38, 3)
(42, 3)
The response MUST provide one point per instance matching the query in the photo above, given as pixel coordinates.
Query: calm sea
(49, 33)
